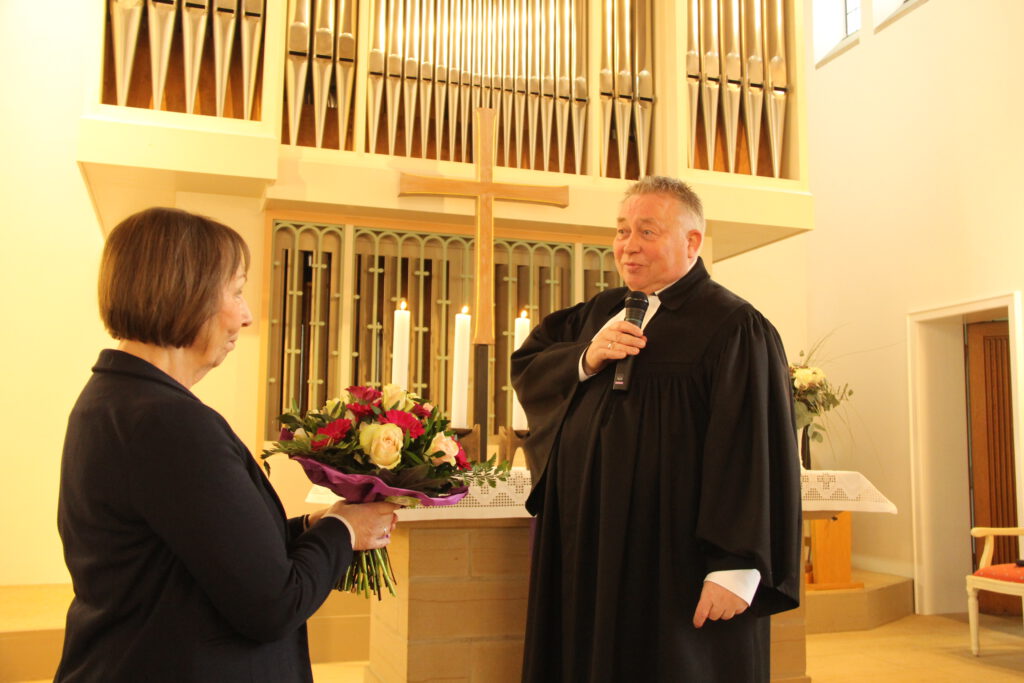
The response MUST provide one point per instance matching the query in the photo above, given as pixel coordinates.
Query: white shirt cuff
(742, 582)
(583, 373)
(351, 531)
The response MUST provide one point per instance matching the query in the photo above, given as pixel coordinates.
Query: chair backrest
(989, 534)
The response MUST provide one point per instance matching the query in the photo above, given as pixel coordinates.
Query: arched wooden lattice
(334, 289)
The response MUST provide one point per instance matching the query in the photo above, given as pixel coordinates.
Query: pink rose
(447, 446)
(422, 410)
(461, 461)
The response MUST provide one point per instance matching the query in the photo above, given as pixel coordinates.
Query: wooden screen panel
(993, 476)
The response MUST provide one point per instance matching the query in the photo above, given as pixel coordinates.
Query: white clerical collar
(653, 304)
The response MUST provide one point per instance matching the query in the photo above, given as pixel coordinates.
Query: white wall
(47, 275)
(48, 267)
(774, 280)
(916, 158)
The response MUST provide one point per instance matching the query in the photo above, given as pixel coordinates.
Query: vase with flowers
(813, 396)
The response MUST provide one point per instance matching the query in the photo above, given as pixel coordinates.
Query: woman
(184, 566)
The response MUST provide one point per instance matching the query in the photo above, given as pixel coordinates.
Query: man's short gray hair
(659, 184)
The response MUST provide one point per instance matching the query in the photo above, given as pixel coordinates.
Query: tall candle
(520, 333)
(460, 371)
(400, 348)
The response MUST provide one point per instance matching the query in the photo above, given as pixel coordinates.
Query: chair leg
(972, 617)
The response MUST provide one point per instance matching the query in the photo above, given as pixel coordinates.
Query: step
(883, 598)
(32, 630)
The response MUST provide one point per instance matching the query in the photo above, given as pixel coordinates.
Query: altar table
(829, 498)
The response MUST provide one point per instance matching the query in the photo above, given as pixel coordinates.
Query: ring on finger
(610, 345)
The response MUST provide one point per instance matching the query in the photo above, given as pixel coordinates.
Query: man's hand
(717, 603)
(615, 342)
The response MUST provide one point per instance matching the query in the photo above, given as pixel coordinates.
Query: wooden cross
(485, 191)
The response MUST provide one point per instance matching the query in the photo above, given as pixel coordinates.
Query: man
(666, 510)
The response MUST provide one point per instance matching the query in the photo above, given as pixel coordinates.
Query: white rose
(394, 397)
(804, 378)
(383, 443)
(300, 435)
(333, 407)
(447, 445)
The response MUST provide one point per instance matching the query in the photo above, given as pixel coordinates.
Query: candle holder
(511, 440)
(470, 440)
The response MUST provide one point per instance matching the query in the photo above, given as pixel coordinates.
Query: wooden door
(993, 481)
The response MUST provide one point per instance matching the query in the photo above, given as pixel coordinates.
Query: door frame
(938, 443)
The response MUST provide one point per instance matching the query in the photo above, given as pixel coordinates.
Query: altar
(463, 579)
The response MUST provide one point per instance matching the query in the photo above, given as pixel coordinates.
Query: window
(835, 21)
(852, 17)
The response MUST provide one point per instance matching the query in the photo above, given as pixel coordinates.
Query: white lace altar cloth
(834, 490)
(822, 490)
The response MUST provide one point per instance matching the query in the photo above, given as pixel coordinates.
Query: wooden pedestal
(831, 545)
(460, 613)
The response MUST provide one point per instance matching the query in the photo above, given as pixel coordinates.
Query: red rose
(364, 394)
(461, 461)
(407, 421)
(420, 411)
(337, 429)
(285, 435)
(334, 431)
(360, 410)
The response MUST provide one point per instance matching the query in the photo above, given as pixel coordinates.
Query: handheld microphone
(636, 306)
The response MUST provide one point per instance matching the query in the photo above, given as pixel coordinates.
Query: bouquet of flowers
(388, 445)
(813, 396)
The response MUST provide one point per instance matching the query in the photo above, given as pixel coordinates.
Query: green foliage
(487, 473)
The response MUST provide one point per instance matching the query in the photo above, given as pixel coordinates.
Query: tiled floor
(347, 672)
(935, 649)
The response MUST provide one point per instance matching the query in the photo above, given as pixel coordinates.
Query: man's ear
(694, 240)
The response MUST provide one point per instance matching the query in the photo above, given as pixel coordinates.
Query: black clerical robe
(640, 494)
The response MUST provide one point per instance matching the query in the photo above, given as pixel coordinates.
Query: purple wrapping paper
(366, 488)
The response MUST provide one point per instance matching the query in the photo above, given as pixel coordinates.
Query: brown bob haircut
(162, 275)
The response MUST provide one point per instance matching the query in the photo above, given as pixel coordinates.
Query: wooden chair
(1001, 578)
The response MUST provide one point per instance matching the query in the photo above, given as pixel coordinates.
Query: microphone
(636, 306)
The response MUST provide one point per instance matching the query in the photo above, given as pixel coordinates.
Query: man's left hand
(717, 603)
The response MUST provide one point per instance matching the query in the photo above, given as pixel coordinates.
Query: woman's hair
(162, 275)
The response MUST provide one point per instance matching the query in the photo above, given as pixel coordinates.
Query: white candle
(460, 371)
(520, 333)
(400, 348)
